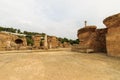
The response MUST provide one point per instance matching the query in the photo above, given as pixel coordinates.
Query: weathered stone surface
(36, 40)
(60, 44)
(113, 35)
(66, 45)
(112, 21)
(92, 38)
(113, 41)
(86, 29)
(101, 40)
(7, 41)
(100, 45)
(52, 42)
(45, 42)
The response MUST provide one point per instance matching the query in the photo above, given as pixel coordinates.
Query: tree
(29, 40)
(74, 41)
(18, 31)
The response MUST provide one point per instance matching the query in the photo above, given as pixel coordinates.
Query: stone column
(36, 39)
(45, 42)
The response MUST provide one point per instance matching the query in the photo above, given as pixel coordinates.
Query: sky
(61, 18)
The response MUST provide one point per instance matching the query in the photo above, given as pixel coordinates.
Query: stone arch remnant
(19, 43)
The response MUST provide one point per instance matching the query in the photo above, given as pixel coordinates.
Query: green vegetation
(8, 29)
(74, 41)
(29, 40)
(62, 40)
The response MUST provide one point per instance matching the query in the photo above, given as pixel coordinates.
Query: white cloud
(55, 17)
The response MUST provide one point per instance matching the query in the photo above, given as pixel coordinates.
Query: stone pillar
(50, 45)
(45, 42)
(37, 39)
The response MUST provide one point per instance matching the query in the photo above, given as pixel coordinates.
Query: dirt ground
(58, 65)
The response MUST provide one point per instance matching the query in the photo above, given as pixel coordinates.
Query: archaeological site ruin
(91, 39)
(113, 35)
(100, 40)
(16, 41)
(12, 41)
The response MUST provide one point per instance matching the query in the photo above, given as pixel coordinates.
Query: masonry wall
(92, 38)
(7, 41)
(53, 42)
(36, 39)
(113, 35)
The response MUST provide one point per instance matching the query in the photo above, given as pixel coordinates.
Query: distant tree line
(9, 29)
(19, 31)
(62, 40)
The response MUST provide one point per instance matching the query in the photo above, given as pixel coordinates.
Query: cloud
(55, 17)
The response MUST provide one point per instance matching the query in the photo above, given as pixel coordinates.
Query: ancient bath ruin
(100, 40)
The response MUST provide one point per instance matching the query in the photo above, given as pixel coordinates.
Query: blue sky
(61, 18)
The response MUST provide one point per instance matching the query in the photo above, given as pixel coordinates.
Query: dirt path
(58, 65)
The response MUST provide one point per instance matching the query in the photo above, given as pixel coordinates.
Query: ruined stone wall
(112, 21)
(60, 44)
(92, 38)
(23, 45)
(86, 37)
(36, 39)
(101, 40)
(100, 44)
(53, 42)
(24, 41)
(7, 41)
(113, 35)
(66, 45)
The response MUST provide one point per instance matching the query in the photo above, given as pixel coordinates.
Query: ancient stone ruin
(92, 39)
(100, 40)
(48, 42)
(9, 41)
(36, 39)
(66, 45)
(113, 35)
(52, 42)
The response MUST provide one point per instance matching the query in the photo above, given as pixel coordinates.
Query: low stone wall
(82, 49)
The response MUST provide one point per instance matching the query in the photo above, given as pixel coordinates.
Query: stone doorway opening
(19, 41)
